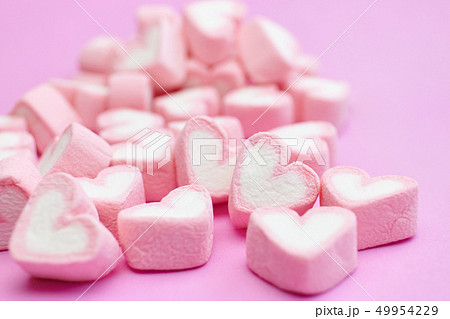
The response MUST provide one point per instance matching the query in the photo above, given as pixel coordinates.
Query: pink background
(397, 60)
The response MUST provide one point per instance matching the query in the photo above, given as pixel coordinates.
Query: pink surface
(396, 60)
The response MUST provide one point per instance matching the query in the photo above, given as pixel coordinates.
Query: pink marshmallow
(160, 50)
(176, 233)
(148, 14)
(130, 90)
(211, 28)
(267, 50)
(85, 77)
(253, 103)
(152, 153)
(58, 235)
(262, 178)
(386, 207)
(21, 152)
(197, 74)
(227, 76)
(119, 125)
(304, 65)
(302, 254)
(12, 123)
(67, 87)
(319, 99)
(316, 130)
(18, 178)
(17, 140)
(47, 112)
(188, 102)
(99, 55)
(89, 101)
(114, 189)
(203, 154)
(78, 152)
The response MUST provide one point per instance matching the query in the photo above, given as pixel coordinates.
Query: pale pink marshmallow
(114, 189)
(119, 125)
(319, 99)
(252, 105)
(47, 112)
(17, 140)
(267, 50)
(262, 178)
(304, 65)
(58, 235)
(230, 124)
(21, 152)
(90, 100)
(197, 74)
(302, 254)
(18, 178)
(99, 55)
(204, 155)
(227, 75)
(386, 207)
(316, 130)
(212, 27)
(67, 87)
(130, 90)
(91, 78)
(78, 151)
(151, 152)
(12, 123)
(176, 233)
(160, 50)
(148, 14)
(187, 103)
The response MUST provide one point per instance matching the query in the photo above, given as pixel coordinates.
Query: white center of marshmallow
(312, 233)
(10, 139)
(283, 190)
(188, 204)
(208, 161)
(45, 236)
(350, 186)
(53, 153)
(115, 185)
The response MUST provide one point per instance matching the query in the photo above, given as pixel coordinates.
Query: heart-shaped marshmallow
(12, 123)
(114, 189)
(117, 126)
(262, 178)
(151, 153)
(212, 27)
(99, 55)
(176, 233)
(78, 152)
(160, 50)
(130, 90)
(267, 50)
(205, 155)
(58, 235)
(203, 100)
(316, 130)
(296, 253)
(252, 105)
(385, 207)
(47, 113)
(18, 178)
(320, 99)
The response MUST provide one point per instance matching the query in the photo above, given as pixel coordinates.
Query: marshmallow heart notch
(306, 254)
(386, 207)
(204, 155)
(59, 236)
(262, 178)
(176, 233)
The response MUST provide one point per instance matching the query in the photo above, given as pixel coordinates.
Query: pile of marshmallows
(71, 216)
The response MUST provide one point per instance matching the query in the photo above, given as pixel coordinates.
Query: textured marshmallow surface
(386, 207)
(178, 231)
(78, 152)
(59, 236)
(302, 254)
(18, 178)
(262, 178)
(202, 154)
